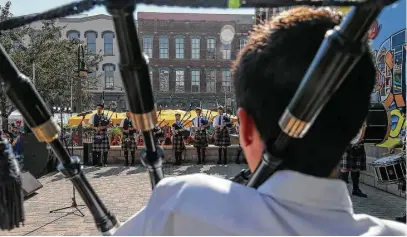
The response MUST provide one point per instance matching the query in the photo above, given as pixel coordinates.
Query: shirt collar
(322, 193)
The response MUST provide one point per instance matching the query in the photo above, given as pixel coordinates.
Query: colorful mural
(388, 44)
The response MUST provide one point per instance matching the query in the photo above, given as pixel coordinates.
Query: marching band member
(305, 197)
(353, 161)
(200, 124)
(222, 136)
(100, 123)
(129, 141)
(178, 144)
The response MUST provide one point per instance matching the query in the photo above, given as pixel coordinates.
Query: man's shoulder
(189, 193)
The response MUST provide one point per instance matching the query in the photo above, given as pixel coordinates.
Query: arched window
(179, 47)
(210, 76)
(163, 44)
(164, 76)
(242, 42)
(148, 45)
(211, 48)
(109, 69)
(226, 80)
(91, 41)
(195, 80)
(226, 51)
(108, 42)
(179, 80)
(72, 34)
(195, 48)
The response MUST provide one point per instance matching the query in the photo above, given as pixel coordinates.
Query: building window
(179, 80)
(226, 50)
(226, 80)
(195, 80)
(108, 39)
(109, 76)
(242, 42)
(211, 81)
(179, 47)
(72, 34)
(91, 41)
(211, 48)
(163, 41)
(195, 48)
(164, 79)
(148, 46)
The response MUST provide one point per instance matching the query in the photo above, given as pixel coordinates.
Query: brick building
(189, 63)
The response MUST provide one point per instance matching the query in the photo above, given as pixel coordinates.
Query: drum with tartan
(100, 141)
(200, 139)
(222, 137)
(129, 142)
(354, 158)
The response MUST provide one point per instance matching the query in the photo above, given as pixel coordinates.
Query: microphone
(85, 113)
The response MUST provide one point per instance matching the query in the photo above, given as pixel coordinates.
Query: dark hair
(268, 71)
(101, 105)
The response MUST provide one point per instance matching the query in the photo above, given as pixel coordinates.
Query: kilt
(354, 158)
(131, 144)
(201, 139)
(178, 143)
(103, 144)
(222, 137)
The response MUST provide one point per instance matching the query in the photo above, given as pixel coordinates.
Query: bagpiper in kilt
(178, 144)
(100, 122)
(353, 161)
(222, 137)
(200, 124)
(129, 141)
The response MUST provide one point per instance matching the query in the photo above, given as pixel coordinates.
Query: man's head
(198, 111)
(127, 114)
(220, 110)
(99, 108)
(267, 74)
(177, 116)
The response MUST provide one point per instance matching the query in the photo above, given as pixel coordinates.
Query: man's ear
(246, 128)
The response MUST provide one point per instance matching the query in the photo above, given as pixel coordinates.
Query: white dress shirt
(218, 121)
(92, 119)
(196, 121)
(289, 203)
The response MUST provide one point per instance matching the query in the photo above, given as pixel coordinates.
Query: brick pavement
(126, 190)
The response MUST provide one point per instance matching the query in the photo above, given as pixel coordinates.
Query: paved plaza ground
(125, 190)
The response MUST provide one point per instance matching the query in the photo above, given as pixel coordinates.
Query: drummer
(353, 161)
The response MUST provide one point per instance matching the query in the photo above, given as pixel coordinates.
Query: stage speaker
(36, 155)
(29, 183)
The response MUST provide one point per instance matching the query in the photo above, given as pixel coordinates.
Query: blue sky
(23, 7)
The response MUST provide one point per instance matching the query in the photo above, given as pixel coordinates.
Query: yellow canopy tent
(116, 117)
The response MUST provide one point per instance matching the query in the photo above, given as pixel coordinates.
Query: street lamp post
(82, 73)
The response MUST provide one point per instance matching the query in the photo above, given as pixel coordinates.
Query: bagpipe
(338, 54)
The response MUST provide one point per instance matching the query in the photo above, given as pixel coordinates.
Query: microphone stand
(74, 203)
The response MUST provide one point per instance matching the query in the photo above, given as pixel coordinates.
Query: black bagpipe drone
(340, 51)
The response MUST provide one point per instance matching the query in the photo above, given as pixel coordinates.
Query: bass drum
(377, 126)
